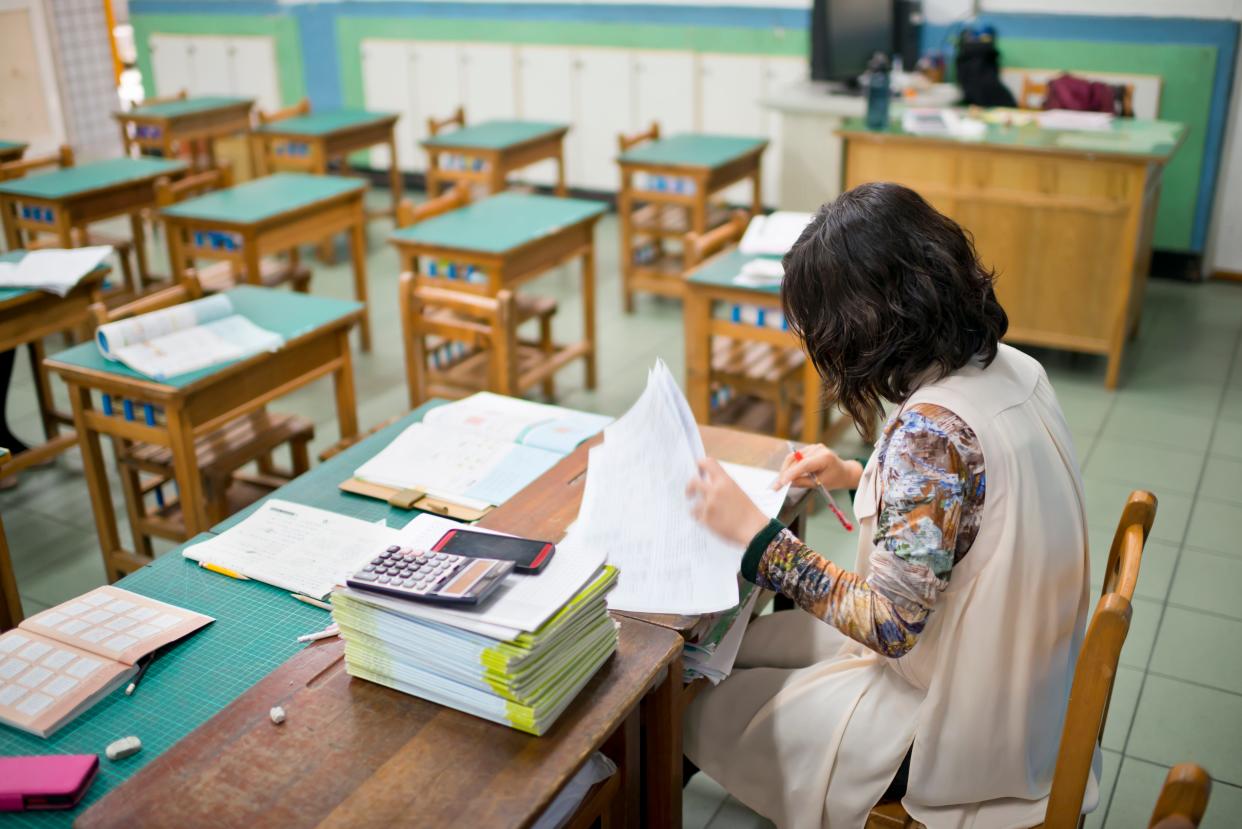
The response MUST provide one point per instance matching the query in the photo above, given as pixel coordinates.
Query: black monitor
(845, 34)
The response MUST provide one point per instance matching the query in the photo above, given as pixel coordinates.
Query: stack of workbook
(519, 659)
(712, 645)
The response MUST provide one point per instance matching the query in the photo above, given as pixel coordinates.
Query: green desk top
(720, 270)
(287, 313)
(322, 123)
(500, 223)
(16, 256)
(12, 145)
(189, 106)
(255, 631)
(97, 175)
(692, 150)
(320, 486)
(264, 198)
(1127, 137)
(494, 135)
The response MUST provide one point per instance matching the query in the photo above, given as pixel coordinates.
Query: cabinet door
(730, 87)
(170, 63)
(602, 111)
(489, 83)
(545, 93)
(386, 88)
(211, 66)
(253, 71)
(664, 90)
(778, 72)
(436, 81)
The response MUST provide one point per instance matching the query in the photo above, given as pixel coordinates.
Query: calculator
(428, 576)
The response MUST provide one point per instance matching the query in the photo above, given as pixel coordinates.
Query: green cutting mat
(256, 630)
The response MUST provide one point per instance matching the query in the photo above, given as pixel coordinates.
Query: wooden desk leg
(394, 172)
(343, 386)
(96, 482)
(358, 250)
(662, 751)
(176, 251)
(140, 250)
(10, 599)
(431, 178)
(252, 260)
(696, 313)
(8, 214)
(812, 405)
(588, 315)
(43, 390)
(624, 207)
(756, 206)
(319, 165)
(623, 749)
(190, 493)
(560, 171)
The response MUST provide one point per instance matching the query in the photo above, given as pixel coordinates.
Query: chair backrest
(652, 133)
(1126, 552)
(410, 214)
(1183, 797)
(179, 95)
(171, 191)
(302, 107)
(1033, 93)
(458, 119)
(187, 288)
(60, 159)
(699, 246)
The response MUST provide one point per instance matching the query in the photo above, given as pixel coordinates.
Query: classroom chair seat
(273, 272)
(758, 369)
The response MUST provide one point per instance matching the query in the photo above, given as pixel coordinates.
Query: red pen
(832, 504)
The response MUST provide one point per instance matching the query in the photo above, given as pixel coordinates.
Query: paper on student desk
(56, 271)
(634, 508)
(515, 420)
(295, 547)
(774, 234)
(761, 272)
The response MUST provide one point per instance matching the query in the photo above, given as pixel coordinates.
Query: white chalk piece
(122, 748)
(277, 714)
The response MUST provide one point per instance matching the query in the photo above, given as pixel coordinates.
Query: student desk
(26, 317)
(512, 238)
(10, 599)
(316, 332)
(158, 129)
(269, 215)
(1065, 218)
(12, 150)
(674, 176)
(72, 198)
(307, 143)
(499, 148)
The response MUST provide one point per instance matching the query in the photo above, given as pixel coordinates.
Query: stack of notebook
(518, 660)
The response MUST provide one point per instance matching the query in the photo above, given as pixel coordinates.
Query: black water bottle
(879, 91)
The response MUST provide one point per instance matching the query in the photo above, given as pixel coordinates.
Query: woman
(938, 672)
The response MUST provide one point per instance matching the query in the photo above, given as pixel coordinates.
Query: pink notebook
(51, 781)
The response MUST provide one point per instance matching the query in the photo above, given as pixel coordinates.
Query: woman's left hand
(720, 504)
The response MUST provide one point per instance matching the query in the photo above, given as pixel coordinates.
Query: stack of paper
(712, 647)
(53, 270)
(518, 660)
(774, 234)
(184, 338)
(1072, 119)
(761, 272)
(634, 508)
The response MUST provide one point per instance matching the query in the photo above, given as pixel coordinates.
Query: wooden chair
(10, 599)
(1183, 798)
(458, 338)
(755, 361)
(62, 159)
(1092, 686)
(225, 274)
(222, 453)
(437, 125)
(297, 110)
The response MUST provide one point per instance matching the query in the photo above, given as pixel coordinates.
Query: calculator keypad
(413, 571)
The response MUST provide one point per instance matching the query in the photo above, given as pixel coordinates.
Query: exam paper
(774, 234)
(761, 273)
(295, 547)
(56, 271)
(512, 419)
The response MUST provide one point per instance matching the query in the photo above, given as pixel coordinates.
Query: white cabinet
(170, 63)
(242, 65)
(730, 87)
(778, 72)
(545, 93)
(602, 111)
(386, 88)
(252, 63)
(435, 71)
(489, 81)
(664, 90)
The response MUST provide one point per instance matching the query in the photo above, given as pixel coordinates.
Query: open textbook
(634, 508)
(478, 452)
(53, 270)
(774, 234)
(184, 338)
(58, 663)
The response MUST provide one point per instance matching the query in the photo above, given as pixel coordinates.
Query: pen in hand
(832, 504)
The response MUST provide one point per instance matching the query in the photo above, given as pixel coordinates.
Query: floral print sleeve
(932, 484)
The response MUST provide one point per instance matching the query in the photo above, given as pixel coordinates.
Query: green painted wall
(1186, 96)
(284, 29)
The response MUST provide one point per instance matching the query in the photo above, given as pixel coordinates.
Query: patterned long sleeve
(932, 486)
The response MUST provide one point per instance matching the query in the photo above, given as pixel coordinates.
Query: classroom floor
(1175, 427)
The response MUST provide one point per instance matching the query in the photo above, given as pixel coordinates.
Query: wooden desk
(12, 150)
(675, 178)
(490, 151)
(308, 142)
(243, 224)
(26, 317)
(160, 129)
(316, 332)
(1065, 218)
(10, 599)
(74, 197)
(510, 239)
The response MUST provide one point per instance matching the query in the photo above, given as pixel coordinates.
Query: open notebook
(471, 455)
(184, 338)
(60, 662)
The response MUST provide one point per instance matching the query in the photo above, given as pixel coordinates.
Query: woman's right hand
(818, 463)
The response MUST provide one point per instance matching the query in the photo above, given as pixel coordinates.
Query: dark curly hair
(887, 293)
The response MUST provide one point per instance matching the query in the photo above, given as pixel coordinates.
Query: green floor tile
(1155, 572)
(1216, 525)
(1178, 721)
(1110, 766)
(1144, 621)
(1106, 499)
(1228, 438)
(1178, 430)
(1157, 468)
(1134, 795)
(1199, 647)
(1121, 708)
(1222, 479)
(1207, 581)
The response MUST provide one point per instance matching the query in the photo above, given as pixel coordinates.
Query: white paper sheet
(514, 420)
(761, 273)
(295, 547)
(53, 270)
(634, 508)
(774, 234)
